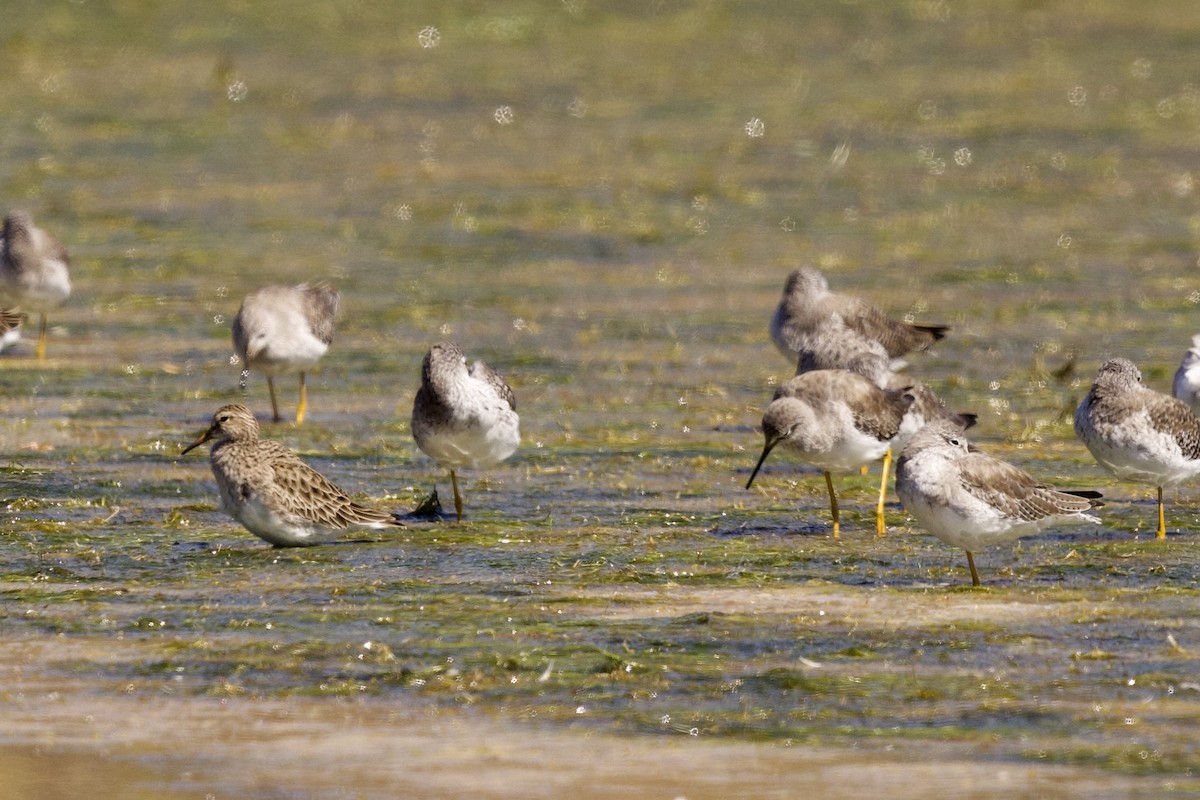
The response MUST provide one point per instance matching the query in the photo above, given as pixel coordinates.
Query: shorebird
(285, 329)
(969, 499)
(1186, 386)
(837, 420)
(1139, 434)
(276, 496)
(832, 345)
(807, 302)
(35, 270)
(463, 417)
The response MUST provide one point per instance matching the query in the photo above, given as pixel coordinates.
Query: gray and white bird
(273, 493)
(807, 302)
(1186, 386)
(1139, 434)
(833, 345)
(282, 329)
(35, 271)
(463, 417)
(969, 499)
(836, 420)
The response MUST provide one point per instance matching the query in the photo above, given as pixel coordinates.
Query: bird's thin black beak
(204, 437)
(766, 450)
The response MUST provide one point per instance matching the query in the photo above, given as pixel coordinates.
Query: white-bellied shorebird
(273, 493)
(807, 302)
(463, 417)
(969, 499)
(836, 420)
(1139, 434)
(1186, 386)
(35, 271)
(282, 329)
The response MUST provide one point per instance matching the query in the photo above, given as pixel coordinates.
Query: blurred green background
(603, 201)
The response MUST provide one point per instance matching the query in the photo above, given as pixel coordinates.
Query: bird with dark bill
(273, 493)
(836, 420)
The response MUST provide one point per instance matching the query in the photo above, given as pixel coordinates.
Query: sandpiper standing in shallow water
(807, 302)
(1186, 385)
(278, 497)
(832, 345)
(1139, 434)
(969, 499)
(35, 270)
(285, 329)
(463, 417)
(838, 421)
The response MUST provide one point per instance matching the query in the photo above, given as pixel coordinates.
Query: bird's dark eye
(954, 441)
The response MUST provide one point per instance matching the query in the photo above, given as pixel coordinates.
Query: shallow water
(602, 202)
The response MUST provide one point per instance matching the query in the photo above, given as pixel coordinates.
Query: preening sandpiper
(807, 302)
(285, 329)
(35, 271)
(463, 417)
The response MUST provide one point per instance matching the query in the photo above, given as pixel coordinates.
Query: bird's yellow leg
(41, 343)
(1162, 518)
(833, 506)
(880, 527)
(302, 406)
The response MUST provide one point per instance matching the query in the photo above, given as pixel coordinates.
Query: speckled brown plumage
(271, 491)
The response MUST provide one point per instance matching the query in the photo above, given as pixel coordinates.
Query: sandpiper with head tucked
(969, 499)
(835, 419)
(807, 303)
(275, 495)
(463, 417)
(285, 329)
(34, 270)
(1139, 434)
